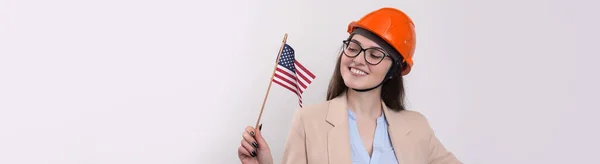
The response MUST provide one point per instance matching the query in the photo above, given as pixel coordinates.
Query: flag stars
(287, 59)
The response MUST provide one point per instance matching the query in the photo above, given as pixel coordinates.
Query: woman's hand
(254, 148)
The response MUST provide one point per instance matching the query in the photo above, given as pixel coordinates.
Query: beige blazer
(320, 135)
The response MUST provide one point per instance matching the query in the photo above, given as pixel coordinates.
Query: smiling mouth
(357, 72)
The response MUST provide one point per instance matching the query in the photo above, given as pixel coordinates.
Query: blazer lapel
(399, 130)
(338, 136)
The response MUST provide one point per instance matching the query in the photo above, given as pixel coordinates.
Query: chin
(351, 85)
(353, 82)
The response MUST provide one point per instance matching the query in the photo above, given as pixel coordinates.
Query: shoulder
(413, 116)
(312, 111)
(416, 119)
(310, 119)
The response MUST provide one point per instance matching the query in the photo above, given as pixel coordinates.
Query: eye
(353, 47)
(376, 54)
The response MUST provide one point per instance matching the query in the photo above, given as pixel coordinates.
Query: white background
(164, 82)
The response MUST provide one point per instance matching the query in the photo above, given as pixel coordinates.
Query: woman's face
(359, 73)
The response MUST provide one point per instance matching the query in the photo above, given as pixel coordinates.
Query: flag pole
(271, 81)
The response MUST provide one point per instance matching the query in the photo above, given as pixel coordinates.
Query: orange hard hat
(393, 26)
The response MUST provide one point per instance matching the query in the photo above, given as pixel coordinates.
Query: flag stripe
(287, 82)
(305, 81)
(305, 70)
(287, 77)
(286, 73)
(288, 86)
(304, 74)
(285, 85)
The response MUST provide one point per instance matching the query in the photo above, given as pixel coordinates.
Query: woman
(364, 119)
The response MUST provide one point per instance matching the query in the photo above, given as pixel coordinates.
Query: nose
(358, 59)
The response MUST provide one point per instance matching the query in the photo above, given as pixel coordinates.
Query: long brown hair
(392, 91)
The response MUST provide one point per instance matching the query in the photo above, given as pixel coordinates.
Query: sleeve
(437, 152)
(295, 146)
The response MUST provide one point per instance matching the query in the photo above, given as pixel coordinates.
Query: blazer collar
(338, 136)
(399, 129)
(338, 139)
(396, 120)
(338, 110)
(338, 114)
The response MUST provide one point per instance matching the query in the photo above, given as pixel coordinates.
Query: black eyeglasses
(372, 56)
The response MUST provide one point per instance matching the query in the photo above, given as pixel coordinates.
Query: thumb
(259, 138)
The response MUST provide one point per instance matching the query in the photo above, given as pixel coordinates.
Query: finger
(251, 151)
(250, 140)
(242, 150)
(259, 138)
(250, 130)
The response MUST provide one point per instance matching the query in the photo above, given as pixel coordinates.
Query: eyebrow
(354, 40)
(377, 47)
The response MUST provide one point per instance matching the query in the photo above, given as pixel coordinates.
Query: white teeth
(356, 71)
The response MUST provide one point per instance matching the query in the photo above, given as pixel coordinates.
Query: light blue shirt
(383, 152)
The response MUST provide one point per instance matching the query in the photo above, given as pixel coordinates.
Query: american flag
(291, 75)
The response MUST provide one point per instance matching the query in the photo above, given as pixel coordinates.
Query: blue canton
(287, 58)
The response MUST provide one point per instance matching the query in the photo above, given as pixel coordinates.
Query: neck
(365, 103)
